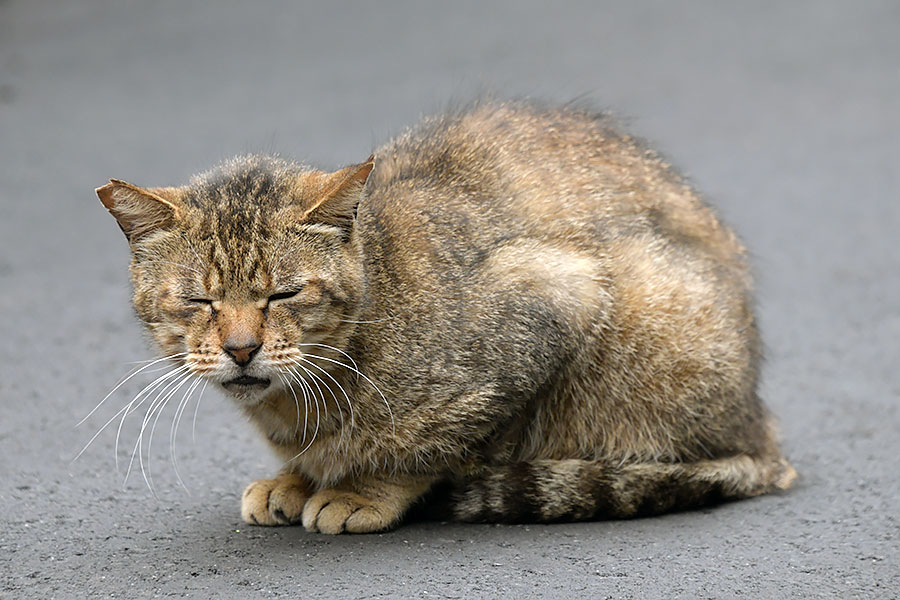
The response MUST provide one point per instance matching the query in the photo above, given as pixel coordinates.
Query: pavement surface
(784, 114)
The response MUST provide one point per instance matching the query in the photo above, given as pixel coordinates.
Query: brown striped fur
(561, 329)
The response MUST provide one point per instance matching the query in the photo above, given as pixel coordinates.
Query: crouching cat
(516, 308)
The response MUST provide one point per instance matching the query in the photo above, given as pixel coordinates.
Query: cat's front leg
(276, 501)
(366, 504)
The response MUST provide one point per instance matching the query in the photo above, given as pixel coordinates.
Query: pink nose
(241, 349)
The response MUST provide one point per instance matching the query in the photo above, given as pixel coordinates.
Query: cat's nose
(241, 349)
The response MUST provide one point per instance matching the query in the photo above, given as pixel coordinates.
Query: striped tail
(573, 490)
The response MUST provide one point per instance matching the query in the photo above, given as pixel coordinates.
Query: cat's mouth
(247, 381)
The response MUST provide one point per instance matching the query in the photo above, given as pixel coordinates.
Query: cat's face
(243, 274)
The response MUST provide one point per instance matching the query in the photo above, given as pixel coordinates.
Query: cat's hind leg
(572, 490)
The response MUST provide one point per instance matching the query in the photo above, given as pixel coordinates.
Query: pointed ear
(340, 195)
(140, 211)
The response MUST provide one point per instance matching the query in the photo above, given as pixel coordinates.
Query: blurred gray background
(784, 114)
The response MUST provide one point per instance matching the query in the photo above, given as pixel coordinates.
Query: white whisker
(296, 402)
(160, 398)
(315, 383)
(364, 376)
(121, 383)
(159, 410)
(315, 432)
(303, 389)
(316, 379)
(350, 358)
(155, 359)
(196, 409)
(113, 418)
(173, 434)
(340, 387)
(149, 389)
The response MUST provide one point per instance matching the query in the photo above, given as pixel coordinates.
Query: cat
(513, 311)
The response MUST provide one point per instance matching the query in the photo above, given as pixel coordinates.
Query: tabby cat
(513, 312)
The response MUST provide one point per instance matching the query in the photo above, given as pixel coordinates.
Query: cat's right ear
(339, 195)
(137, 210)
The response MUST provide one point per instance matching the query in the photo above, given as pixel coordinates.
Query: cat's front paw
(337, 511)
(276, 501)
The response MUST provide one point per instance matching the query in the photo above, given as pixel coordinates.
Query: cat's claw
(336, 511)
(276, 501)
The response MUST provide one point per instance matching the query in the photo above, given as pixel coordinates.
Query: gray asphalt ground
(784, 113)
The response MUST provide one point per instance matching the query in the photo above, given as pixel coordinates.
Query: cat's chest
(307, 442)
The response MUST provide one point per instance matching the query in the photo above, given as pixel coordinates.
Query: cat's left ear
(140, 210)
(340, 195)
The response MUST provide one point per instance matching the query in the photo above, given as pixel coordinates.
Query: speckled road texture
(784, 114)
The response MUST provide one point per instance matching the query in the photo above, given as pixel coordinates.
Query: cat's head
(248, 268)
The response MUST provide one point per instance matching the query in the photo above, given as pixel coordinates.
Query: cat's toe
(276, 501)
(366, 519)
(335, 511)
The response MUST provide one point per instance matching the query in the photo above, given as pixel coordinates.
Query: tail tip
(786, 475)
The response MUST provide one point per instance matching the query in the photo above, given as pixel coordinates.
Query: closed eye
(199, 301)
(283, 295)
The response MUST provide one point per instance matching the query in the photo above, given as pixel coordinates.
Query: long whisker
(312, 401)
(350, 358)
(315, 402)
(173, 434)
(303, 389)
(315, 383)
(157, 410)
(161, 397)
(122, 382)
(149, 389)
(340, 387)
(196, 409)
(288, 385)
(316, 378)
(164, 389)
(315, 433)
(364, 376)
(114, 417)
(154, 359)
